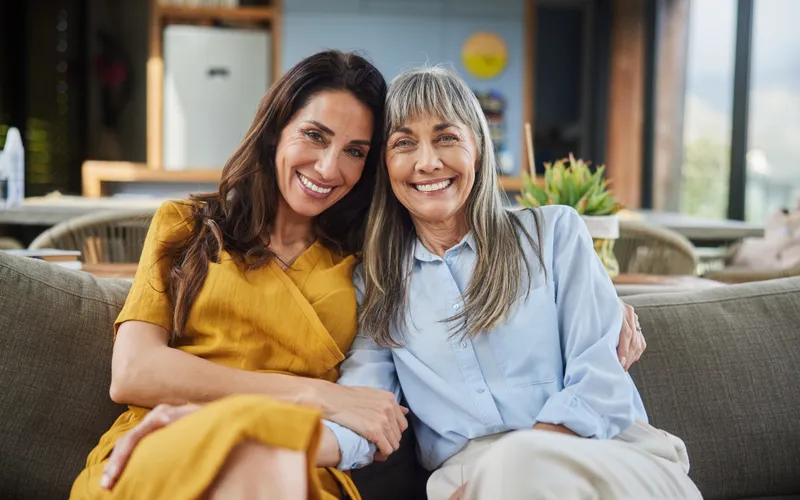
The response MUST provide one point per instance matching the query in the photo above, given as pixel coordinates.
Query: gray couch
(722, 370)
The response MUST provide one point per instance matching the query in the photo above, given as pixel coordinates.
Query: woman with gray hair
(498, 327)
(488, 321)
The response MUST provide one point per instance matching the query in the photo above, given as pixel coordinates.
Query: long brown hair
(238, 216)
(501, 271)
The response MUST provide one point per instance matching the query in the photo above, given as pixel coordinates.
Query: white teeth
(428, 188)
(310, 185)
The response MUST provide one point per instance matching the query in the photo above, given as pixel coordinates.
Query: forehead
(337, 109)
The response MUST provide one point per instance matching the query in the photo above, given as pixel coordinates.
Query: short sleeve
(148, 300)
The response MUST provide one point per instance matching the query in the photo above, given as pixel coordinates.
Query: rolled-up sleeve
(366, 365)
(598, 399)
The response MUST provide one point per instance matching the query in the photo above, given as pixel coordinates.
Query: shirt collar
(422, 254)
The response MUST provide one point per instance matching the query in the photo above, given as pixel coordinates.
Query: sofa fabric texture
(721, 370)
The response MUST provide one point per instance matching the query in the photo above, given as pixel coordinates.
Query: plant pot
(604, 230)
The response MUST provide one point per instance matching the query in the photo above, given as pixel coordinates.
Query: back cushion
(55, 367)
(722, 372)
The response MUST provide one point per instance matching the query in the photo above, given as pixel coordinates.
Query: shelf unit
(162, 15)
(97, 174)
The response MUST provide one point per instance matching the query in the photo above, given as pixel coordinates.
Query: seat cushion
(56, 339)
(55, 368)
(722, 371)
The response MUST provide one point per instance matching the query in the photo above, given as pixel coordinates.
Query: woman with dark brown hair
(241, 289)
(248, 290)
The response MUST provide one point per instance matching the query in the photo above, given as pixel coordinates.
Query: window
(708, 108)
(773, 152)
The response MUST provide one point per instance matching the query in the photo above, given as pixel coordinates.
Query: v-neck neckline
(294, 281)
(299, 259)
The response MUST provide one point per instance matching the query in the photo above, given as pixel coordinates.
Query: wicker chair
(9, 243)
(101, 237)
(648, 249)
(733, 274)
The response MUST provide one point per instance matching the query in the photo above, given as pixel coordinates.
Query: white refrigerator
(214, 79)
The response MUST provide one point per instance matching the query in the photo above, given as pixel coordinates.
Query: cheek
(293, 156)
(460, 160)
(398, 167)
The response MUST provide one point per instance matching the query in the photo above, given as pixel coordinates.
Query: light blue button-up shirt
(553, 361)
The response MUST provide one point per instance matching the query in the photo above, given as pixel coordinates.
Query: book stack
(65, 258)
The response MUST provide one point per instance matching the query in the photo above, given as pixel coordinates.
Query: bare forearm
(329, 454)
(553, 428)
(166, 375)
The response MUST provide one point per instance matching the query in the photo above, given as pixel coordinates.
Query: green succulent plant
(570, 182)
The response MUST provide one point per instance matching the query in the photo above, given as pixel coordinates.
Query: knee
(528, 452)
(528, 464)
(255, 470)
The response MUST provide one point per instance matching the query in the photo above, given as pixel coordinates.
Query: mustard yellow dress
(296, 321)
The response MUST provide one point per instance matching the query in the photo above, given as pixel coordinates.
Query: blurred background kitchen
(692, 105)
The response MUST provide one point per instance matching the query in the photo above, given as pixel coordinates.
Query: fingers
(400, 418)
(638, 344)
(641, 345)
(159, 417)
(384, 447)
(393, 424)
(392, 430)
(460, 493)
(626, 336)
(124, 447)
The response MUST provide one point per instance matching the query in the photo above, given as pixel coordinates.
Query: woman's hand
(159, 417)
(631, 341)
(460, 493)
(371, 413)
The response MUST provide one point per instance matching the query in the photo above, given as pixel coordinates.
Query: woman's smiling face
(431, 166)
(322, 151)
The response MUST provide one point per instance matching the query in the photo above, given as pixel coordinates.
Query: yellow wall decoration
(484, 55)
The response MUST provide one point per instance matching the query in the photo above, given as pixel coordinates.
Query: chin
(433, 215)
(308, 208)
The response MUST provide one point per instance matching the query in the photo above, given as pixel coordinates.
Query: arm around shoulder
(599, 399)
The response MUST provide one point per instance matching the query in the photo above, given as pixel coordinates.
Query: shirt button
(481, 390)
(457, 307)
(463, 345)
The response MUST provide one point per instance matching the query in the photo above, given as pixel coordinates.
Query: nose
(326, 165)
(428, 161)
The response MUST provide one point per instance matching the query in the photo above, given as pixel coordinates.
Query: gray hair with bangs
(501, 267)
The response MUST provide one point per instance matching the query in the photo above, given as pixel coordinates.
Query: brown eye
(314, 135)
(356, 153)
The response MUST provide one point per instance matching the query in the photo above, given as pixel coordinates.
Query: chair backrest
(101, 237)
(648, 249)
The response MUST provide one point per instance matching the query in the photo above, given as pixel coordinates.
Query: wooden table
(702, 231)
(50, 210)
(126, 270)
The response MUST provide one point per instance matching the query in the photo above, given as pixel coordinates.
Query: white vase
(604, 230)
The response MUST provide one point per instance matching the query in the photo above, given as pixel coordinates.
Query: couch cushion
(55, 368)
(722, 371)
(56, 337)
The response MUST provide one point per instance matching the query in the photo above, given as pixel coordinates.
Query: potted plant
(571, 182)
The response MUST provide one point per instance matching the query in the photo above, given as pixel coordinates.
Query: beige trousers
(639, 464)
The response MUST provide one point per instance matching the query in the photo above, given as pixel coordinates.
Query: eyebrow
(436, 128)
(328, 131)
